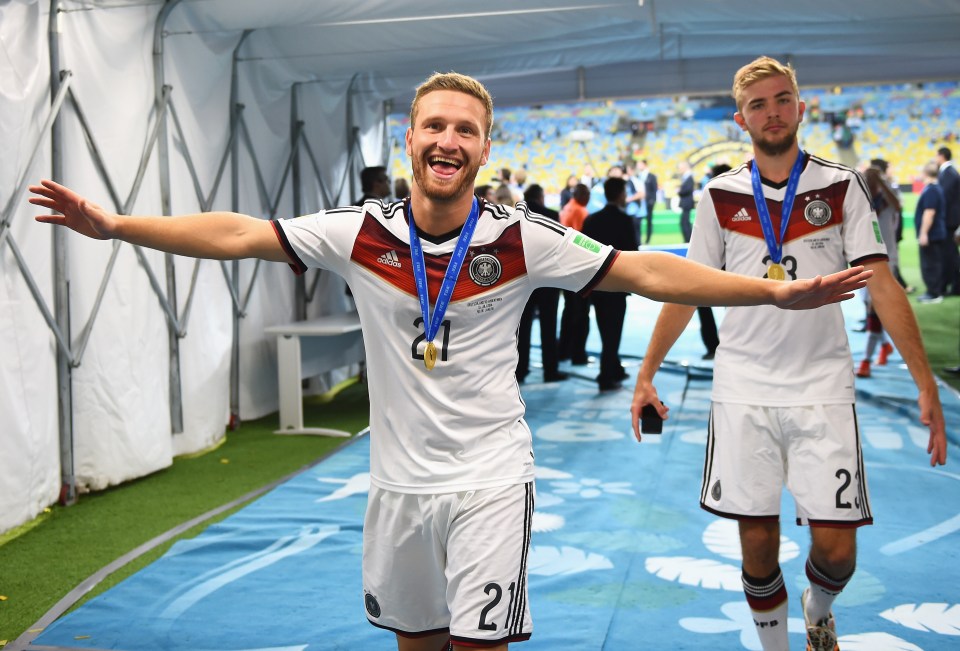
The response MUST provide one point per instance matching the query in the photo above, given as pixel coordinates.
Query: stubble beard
(776, 148)
(443, 192)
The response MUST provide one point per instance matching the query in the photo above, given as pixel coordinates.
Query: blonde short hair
(758, 70)
(457, 82)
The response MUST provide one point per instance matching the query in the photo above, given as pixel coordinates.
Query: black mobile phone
(650, 421)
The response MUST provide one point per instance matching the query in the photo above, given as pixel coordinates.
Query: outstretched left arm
(669, 278)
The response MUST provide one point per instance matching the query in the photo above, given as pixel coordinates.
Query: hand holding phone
(650, 420)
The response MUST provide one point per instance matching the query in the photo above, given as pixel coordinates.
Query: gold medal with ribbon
(775, 270)
(430, 356)
(431, 324)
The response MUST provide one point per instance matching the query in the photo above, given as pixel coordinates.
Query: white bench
(306, 349)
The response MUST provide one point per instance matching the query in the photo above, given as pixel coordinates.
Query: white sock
(767, 599)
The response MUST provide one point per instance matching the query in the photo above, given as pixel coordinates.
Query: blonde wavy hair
(759, 69)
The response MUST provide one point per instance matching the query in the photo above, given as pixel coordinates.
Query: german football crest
(372, 605)
(485, 269)
(817, 212)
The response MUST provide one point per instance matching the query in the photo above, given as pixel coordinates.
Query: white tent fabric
(345, 64)
(29, 470)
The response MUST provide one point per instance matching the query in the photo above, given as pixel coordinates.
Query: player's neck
(440, 217)
(776, 168)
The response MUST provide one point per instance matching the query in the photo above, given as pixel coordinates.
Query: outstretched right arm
(216, 235)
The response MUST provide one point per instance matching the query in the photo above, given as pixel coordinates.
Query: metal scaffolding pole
(163, 151)
(61, 287)
(234, 280)
(353, 142)
(300, 286)
(385, 146)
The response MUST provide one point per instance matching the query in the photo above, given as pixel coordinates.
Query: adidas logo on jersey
(741, 216)
(390, 258)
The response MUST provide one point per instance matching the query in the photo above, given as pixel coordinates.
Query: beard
(437, 190)
(776, 147)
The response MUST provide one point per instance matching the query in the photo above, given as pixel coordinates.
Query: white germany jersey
(769, 356)
(459, 426)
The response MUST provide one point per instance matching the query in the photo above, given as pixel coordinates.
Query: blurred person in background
(486, 192)
(949, 181)
(685, 199)
(566, 194)
(611, 225)
(930, 221)
(542, 305)
(401, 188)
(374, 183)
(887, 206)
(575, 318)
(648, 182)
(504, 195)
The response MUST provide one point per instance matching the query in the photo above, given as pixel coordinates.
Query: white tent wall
(29, 457)
(121, 397)
(122, 425)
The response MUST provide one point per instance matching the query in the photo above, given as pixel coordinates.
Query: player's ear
(738, 118)
(801, 106)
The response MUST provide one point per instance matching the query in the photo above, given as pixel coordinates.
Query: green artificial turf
(68, 544)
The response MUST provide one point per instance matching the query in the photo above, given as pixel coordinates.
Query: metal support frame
(61, 290)
(233, 278)
(296, 125)
(69, 353)
(173, 339)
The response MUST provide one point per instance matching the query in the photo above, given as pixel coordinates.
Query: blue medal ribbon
(773, 246)
(432, 326)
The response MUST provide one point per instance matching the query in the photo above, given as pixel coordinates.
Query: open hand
(76, 213)
(810, 293)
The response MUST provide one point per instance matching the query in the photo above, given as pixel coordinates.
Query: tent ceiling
(559, 50)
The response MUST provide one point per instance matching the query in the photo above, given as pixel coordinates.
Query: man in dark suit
(374, 183)
(949, 181)
(543, 304)
(649, 180)
(685, 195)
(611, 225)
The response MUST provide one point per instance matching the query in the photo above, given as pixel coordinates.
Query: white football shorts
(452, 561)
(754, 451)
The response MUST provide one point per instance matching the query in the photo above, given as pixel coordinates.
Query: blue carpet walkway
(623, 558)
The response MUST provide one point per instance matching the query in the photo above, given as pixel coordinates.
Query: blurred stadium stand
(903, 124)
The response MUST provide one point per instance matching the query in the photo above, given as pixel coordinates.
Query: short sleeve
(324, 239)
(557, 256)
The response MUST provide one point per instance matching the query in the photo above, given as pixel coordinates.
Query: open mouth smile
(444, 166)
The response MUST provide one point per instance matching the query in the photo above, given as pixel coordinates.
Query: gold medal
(430, 356)
(776, 272)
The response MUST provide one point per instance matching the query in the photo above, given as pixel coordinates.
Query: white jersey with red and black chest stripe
(460, 425)
(775, 357)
